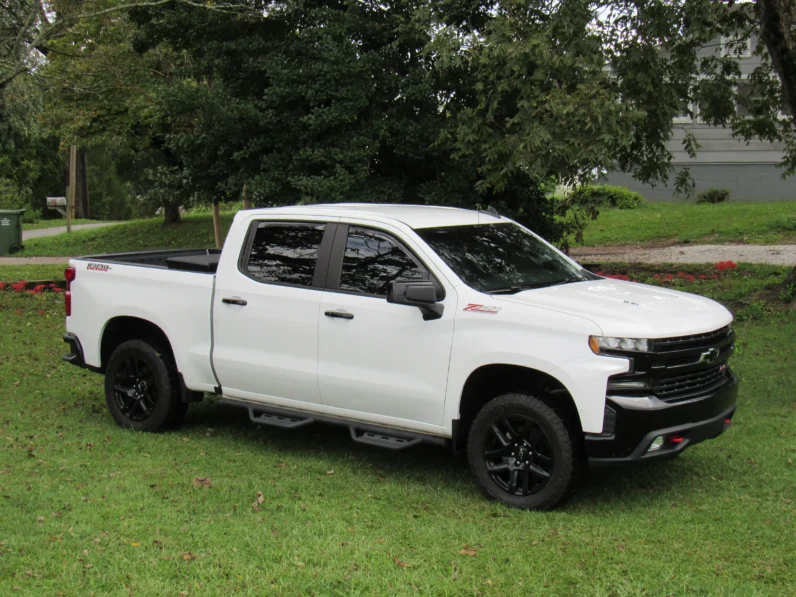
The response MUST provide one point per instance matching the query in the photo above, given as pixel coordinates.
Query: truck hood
(629, 309)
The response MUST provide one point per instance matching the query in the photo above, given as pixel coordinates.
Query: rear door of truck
(265, 309)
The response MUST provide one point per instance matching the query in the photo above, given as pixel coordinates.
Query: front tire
(522, 453)
(141, 387)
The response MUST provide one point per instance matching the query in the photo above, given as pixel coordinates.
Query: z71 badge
(482, 308)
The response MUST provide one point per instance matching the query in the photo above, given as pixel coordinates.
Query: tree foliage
(450, 102)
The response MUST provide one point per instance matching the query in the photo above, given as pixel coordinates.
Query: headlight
(599, 343)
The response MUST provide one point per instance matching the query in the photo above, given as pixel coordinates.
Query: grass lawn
(195, 231)
(55, 223)
(88, 508)
(15, 273)
(754, 223)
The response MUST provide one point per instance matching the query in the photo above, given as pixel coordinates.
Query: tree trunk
(777, 30)
(247, 202)
(172, 213)
(217, 226)
(82, 167)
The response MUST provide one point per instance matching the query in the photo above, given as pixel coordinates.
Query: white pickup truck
(410, 324)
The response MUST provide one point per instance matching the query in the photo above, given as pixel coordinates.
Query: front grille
(696, 341)
(682, 387)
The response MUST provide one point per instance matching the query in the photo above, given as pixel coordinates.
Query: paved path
(39, 232)
(770, 254)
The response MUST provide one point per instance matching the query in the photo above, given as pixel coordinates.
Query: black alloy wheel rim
(135, 389)
(518, 456)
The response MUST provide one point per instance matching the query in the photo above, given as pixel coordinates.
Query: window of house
(285, 253)
(731, 46)
(372, 260)
(683, 117)
(744, 98)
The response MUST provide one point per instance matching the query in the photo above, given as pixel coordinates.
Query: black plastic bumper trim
(637, 425)
(692, 433)
(75, 357)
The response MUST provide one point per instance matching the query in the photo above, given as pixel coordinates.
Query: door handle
(234, 301)
(340, 314)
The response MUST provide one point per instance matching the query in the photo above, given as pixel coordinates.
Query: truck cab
(410, 324)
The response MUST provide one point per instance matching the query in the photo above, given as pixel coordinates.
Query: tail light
(70, 274)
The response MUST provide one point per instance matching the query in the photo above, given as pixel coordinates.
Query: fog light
(656, 444)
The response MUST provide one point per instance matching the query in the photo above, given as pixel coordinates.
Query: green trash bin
(11, 231)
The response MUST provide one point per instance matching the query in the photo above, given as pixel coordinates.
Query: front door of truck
(375, 357)
(265, 314)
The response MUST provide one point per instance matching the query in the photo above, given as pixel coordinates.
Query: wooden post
(247, 203)
(70, 195)
(217, 225)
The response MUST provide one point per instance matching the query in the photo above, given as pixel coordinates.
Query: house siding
(748, 169)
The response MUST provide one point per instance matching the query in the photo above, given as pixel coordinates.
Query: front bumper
(638, 421)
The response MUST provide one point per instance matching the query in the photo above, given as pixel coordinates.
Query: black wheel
(522, 453)
(141, 388)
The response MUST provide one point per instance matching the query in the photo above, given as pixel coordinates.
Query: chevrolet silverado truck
(410, 324)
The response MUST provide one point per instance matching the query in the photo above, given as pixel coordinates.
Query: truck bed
(191, 260)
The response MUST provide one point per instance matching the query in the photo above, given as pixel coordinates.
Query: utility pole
(70, 195)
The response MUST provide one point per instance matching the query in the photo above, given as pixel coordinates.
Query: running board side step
(363, 433)
(386, 439)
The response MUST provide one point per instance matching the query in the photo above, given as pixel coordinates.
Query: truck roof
(414, 216)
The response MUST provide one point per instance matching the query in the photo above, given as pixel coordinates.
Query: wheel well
(491, 381)
(122, 329)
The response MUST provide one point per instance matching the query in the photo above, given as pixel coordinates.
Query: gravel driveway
(770, 254)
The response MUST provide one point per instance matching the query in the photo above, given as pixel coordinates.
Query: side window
(285, 253)
(372, 260)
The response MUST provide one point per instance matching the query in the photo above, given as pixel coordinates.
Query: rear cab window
(285, 253)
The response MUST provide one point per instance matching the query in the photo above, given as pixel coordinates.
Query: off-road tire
(168, 409)
(560, 443)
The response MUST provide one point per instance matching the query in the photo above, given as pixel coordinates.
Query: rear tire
(142, 389)
(522, 453)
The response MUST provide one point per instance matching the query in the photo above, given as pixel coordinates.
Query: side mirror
(422, 295)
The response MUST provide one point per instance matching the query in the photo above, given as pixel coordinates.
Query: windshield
(500, 258)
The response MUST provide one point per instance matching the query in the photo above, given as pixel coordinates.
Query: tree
(453, 102)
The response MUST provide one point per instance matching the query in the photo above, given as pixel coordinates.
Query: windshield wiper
(518, 288)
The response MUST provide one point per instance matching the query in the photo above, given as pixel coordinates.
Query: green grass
(15, 273)
(754, 223)
(750, 291)
(758, 223)
(88, 508)
(195, 231)
(54, 223)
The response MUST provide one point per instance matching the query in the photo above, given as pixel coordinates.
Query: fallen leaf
(202, 482)
(188, 556)
(468, 551)
(790, 461)
(400, 563)
(620, 547)
(329, 472)
(274, 533)
(256, 503)
(135, 544)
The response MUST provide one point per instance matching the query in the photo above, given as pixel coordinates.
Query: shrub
(713, 196)
(610, 196)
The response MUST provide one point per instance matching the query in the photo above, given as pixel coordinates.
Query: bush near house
(610, 196)
(713, 196)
